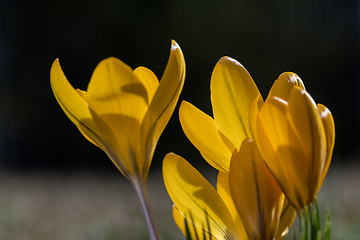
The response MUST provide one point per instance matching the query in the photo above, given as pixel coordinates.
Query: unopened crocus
(296, 138)
(124, 112)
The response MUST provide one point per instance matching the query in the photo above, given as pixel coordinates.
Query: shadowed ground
(86, 206)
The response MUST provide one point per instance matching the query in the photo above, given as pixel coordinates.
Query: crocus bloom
(296, 138)
(124, 112)
(247, 204)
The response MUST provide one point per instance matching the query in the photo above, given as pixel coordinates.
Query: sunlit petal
(116, 91)
(288, 215)
(291, 138)
(163, 102)
(74, 106)
(83, 94)
(306, 122)
(201, 131)
(118, 102)
(283, 85)
(223, 188)
(194, 196)
(232, 93)
(280, 146)
(149, 81)
(196, 231)
(329, 127)
(256, 194)
(73, 103)
(254, 112)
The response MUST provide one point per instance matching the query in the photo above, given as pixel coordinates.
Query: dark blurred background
(317, 39)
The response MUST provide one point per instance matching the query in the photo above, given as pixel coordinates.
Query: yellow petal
(288, 215)
(254, 112)
(70, 101)
(281, 148)
(163, 102)
(196, 232)
(256, 194)
(283, 85)
(118, 100)
(115, 90)
(74, 105)
(232, 93)
(308, 126)
(200, 129)
(194, 196)
(329, 127)
(149, 81)
(83, 94)
(223, 188)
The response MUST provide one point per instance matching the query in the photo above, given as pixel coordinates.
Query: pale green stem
(143, 196)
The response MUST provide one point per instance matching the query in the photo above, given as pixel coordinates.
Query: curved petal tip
(229, 60)
(292, 78)
(174, 45)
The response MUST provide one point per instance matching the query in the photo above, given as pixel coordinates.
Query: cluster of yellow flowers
(272, 155)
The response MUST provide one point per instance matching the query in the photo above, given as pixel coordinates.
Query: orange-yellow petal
(329, 127)
(283, 85)
(305, 119)
(223, 188)
(257, 196)
(288, 215)
(254, 112)
(281, 148)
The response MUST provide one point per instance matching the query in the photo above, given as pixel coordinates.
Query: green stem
(310, 225)
(303, 224)
(328, 225)
(143, 196)
(306, 216)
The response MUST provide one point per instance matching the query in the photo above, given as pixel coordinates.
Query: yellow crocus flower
(248, 203)
(123, 111)
(296, 139)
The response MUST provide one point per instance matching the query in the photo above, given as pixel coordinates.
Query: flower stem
(143, 196)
